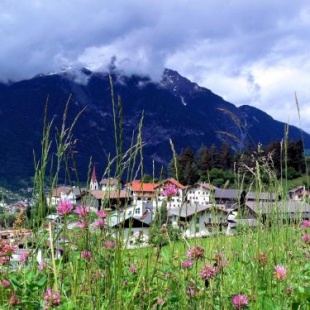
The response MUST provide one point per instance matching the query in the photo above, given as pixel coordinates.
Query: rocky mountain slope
(175, 109)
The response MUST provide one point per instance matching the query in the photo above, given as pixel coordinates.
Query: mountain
(175, 109)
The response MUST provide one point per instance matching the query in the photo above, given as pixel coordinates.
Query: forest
(220, 165)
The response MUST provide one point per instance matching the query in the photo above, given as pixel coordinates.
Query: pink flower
(187, 264)
(52, 298)
(41, 266)
(191, 291)
(23, 256)
(87, 255)
(102, 214)
(196, 252)
(64, 207)
(99, 223)
(305, 224)
(306, 238)
(208, 272)
(82, 211)
(133, 269)
(4, 260)
(5, 283)
(279, 272)
(8, 250)
(109, 244)
(81, 224)
(160, 301)
(170, 190)
(240, 301)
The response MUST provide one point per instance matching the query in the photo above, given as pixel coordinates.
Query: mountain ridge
(174, 108)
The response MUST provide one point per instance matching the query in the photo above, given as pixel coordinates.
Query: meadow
(267, 267)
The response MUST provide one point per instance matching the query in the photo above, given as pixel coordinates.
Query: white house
(70, 193)
(199, 220)
(132, 223)
(174, 201)
(199, 194)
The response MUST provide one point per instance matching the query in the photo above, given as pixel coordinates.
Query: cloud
(249, 52)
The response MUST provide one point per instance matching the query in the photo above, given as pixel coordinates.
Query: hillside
(176, 109)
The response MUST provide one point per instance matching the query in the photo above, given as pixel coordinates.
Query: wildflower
(64, 207)
(240, 301)
(191, 291)
(13, 300)
(262, 259)
(102, 214)
(170, 190)
(52, 298)
(306, 238)
(208, 272)
(168, 275)
(305, 224)
(4, 260)
(82, 211)
(160, 301)
(187, 264)
(87, 255)
(279, 272)
(109, 244)
(289, 290)
(23, 256)
(81, 224)
(133, 269)
(163, 229)
(41, 266)
(99, 223)
(220, 262)
(5, 283)
(195, 253)
(8, 250)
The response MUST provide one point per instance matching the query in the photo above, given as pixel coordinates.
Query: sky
(253, 52)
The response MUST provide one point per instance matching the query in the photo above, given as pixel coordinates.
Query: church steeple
(93, 180)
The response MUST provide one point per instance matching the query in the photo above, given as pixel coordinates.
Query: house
(231, 196)
(286, 211)
(241, 215)
(298, 193)
(174, 201)
(133, 227)
(139, 190)
(108, 199)
(110, 184)
(72, 193)
(200, 193)
(199, 220)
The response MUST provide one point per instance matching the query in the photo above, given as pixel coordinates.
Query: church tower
(93, 180)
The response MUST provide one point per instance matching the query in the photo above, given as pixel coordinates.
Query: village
(198, 210)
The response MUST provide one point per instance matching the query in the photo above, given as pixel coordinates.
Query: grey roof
(222, 193)
(188, 210)
(234, 194)
(145, 218)
(287, 206)
(293, 190)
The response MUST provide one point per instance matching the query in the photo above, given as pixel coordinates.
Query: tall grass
(97, 271)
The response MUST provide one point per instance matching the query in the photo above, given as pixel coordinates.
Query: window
(137, 211)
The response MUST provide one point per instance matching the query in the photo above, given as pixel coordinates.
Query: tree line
(219, 165)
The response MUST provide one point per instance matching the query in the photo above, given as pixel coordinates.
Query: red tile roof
(173, 182)
(138, 186)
